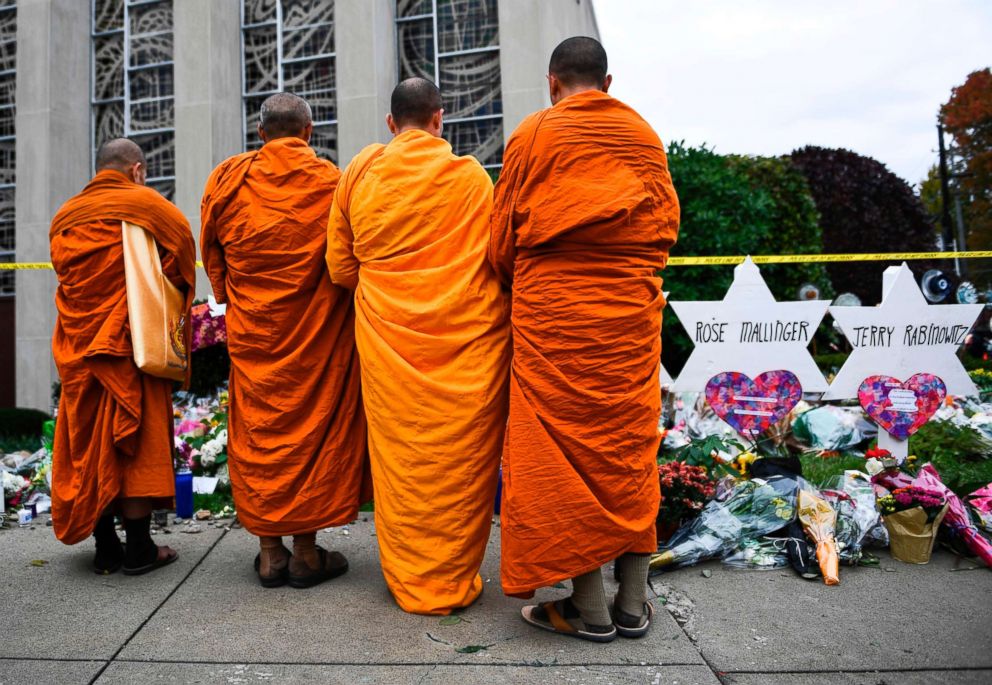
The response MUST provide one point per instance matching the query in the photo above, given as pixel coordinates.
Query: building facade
(185, 78)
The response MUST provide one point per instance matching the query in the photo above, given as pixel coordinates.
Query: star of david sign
(663, 376)
(903, 336)
(749, 332)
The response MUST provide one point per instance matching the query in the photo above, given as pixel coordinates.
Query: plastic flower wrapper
(766, 554)
(819, 521)
(956, 519)
(754, 508)
(980, 502)
(853, 498)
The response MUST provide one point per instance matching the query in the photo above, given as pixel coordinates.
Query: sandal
(107, 562)
(554, 617)
(629, 625)
(281, 575)
(158, 562)
(332, 565)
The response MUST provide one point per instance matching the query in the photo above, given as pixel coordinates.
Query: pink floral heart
(901, 408)
(752, 406)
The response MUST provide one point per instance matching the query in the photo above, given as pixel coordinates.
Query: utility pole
(947, 230)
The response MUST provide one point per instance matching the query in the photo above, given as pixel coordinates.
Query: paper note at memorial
(902, 337)
(749, 332)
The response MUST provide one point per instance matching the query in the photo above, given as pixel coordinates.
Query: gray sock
(633, 583)
(589, 598)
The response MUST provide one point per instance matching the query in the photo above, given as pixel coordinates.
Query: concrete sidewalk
(205, 619)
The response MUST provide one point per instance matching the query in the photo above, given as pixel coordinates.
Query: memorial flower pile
(201, 434)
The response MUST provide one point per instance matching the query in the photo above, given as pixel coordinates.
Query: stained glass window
(8, 77)
(288, 45)
(133, 89)
(455, 43)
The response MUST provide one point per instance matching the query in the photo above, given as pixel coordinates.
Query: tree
(736, 206)
(967, 118)
(863, 208)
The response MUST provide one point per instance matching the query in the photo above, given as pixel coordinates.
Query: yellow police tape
(717, 261)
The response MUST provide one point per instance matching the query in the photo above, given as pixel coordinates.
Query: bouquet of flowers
(208, 328)
(685, 489)
(853, 498)
(819, 521)
(956, 518)
(877, 460)
(912, 515)
(754, 508)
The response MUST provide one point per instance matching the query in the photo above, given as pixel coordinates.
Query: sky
(764, 77)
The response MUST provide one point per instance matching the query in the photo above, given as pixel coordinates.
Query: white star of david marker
(903, 336)
(748, 331)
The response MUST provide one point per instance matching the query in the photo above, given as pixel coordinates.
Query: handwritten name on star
(752, 331)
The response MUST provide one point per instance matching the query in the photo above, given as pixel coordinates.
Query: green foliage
(700, 453)
(15, 423)
(863, 207)
(19, 443)
(962, 456)
(795, 221)
(735, 206)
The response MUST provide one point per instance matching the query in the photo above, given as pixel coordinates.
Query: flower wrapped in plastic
(956, 519)
(754, 508)
(819, 521)
(853, 498)
(766, 554)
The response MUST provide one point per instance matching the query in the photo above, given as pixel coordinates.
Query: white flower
(223, 476)
(222, 437)
(12, 483)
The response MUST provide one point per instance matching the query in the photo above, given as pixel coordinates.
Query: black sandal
(281, 576)
(155, 563)
(338, 566)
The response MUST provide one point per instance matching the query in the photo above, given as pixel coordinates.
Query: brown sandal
(553, 617)
(281, 575)
(332, 565)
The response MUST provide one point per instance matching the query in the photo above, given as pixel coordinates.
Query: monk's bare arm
(341, 261)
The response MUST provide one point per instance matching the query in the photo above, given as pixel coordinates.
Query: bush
(17, 423)
(863, 207)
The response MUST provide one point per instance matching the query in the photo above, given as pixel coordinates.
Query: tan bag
(155, 308)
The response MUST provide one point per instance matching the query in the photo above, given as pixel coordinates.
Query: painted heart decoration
(752, 406)
(901, 408)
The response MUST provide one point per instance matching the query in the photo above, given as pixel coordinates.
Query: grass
(213, 502)
(817, 470)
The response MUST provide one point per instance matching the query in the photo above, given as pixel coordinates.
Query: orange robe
(409, 232)
(113, 436)
(296, 431)
(584, 216)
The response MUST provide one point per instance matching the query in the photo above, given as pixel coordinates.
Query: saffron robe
(409, 232)
(296, 430)
(113, 434)
(584, 216)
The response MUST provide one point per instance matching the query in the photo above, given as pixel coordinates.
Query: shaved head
(414, 103)
(579, 61)
(120, 154)
(285, 115)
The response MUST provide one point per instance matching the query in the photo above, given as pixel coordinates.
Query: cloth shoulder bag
(155, 308)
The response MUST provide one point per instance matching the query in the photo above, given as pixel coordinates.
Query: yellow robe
(409, 231)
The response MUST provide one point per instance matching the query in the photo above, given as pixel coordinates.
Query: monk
(409, 232)
(113, 437)
(584, 216)
(297, 438)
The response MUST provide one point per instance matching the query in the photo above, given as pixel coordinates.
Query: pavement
(205, 619)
